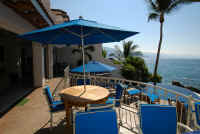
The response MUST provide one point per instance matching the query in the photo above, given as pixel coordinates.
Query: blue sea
(183, 69)
(186, 71)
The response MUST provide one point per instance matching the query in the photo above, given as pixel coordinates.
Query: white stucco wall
(65, 55)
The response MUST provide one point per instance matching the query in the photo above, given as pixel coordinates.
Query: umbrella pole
(82, 43)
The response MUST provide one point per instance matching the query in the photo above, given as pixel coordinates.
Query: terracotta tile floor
(33, 116)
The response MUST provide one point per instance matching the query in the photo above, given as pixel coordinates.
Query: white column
(38, 65)
(49, 61)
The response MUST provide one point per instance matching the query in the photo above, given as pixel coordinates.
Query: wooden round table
(78, 96)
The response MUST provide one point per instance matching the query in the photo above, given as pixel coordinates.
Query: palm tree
(159, 9)
(129, 49)
(87, 49)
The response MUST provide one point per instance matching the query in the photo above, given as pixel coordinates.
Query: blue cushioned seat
(158, 119)
(133, 91)
(153, 97)
(54, 106)
(197, 112)
(119, 91)
(98, 122)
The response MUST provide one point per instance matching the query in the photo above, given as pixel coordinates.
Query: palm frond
(152, 5)
(134, 47)
(88, 55)
(153, 16)
(163, 5)
(76, 51)
(90, 48)
(176, 4)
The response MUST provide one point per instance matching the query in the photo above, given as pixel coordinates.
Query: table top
(77, 94)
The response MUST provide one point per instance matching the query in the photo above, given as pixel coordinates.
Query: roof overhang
(31, 10)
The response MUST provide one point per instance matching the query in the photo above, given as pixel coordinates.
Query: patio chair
(98, 122)
(117, 98)
(100, 107)
(81, 81)
(158, 119)
(197, 114)
(54, 106)
(153, 98)
(133, 92)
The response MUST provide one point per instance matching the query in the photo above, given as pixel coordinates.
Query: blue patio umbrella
(78, 32)
(94, 67)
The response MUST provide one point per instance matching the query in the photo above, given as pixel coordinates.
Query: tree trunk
(159, 47)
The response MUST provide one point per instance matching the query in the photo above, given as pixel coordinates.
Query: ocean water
(171, 67)
(186, 71)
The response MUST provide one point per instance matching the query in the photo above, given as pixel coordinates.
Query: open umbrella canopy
(94, 67)
(70, 33)
(78, 32)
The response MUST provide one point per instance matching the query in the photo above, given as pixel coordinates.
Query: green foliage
(134, 68)
(157, 78)
(87, 51)
(129, 49)
(104, 53)
(117, 62)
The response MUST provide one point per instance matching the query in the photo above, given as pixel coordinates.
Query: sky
(181, 27)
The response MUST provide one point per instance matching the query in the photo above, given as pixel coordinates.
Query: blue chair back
(197, 112)
(81, 81)
(98, 122)
(49, 95)
(119, 92)
(158, 119)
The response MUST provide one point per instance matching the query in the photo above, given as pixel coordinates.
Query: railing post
(190, 102)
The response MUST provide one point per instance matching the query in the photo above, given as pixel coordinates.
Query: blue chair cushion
(110, 100)
(158, 119)
(49, 95)
(57, 102)
(119, 90)
(197, 112)
(57, 106)
(153, 97)
(133, 91)
(99, 122)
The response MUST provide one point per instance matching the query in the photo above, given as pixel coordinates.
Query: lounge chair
(54, 106)
(158, 119)
(98, 122)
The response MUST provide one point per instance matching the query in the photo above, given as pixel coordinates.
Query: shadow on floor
(11, 97)
(60, 128)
